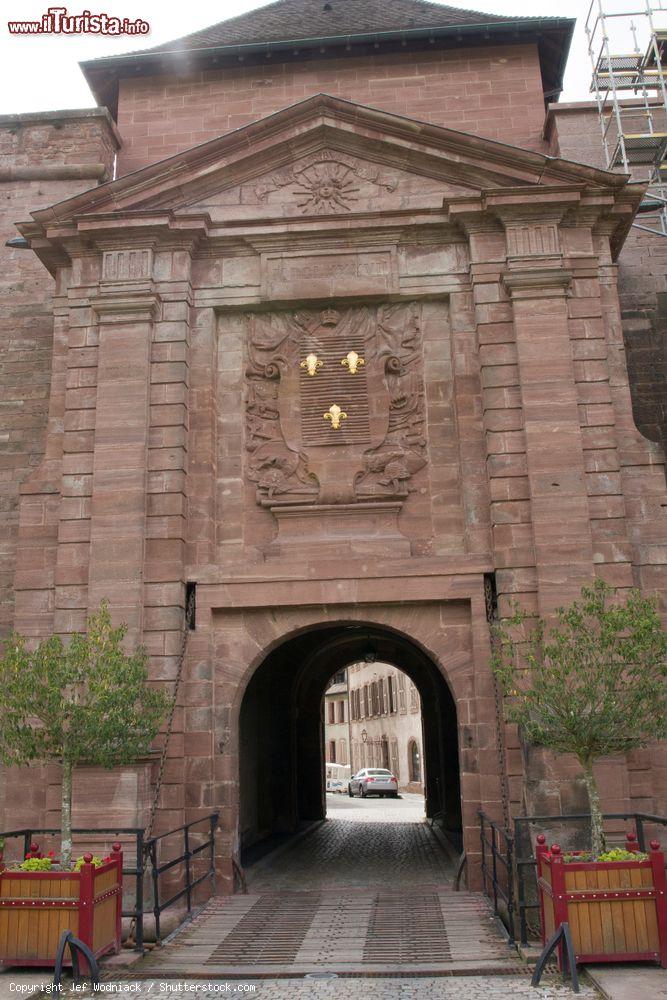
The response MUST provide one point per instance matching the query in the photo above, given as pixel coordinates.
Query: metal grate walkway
(350, 897)
(428, 930)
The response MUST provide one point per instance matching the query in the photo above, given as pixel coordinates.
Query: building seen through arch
(385, 722)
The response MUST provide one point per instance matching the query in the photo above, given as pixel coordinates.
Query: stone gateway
(340, 349)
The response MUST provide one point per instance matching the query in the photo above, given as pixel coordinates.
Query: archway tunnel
(282, 730)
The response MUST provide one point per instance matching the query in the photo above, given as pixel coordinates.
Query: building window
(339, 677)
(342, 752)
(368, 711)
(414, 698)
(391, 694)
(414, 761)
(401, 694)
(384, 746)
(395, 766)
(332, 751)
(332, 717)
(383, 700)
(341, 711)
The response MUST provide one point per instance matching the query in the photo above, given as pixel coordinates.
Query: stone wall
(495, 92)
(44, 158)
(642, 274)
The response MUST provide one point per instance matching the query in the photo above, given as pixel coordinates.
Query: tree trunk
(66, 816)
(597, 833)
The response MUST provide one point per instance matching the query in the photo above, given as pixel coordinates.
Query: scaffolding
(631, 96)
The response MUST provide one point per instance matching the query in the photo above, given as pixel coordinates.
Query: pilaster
(554, 447)
(119, 461)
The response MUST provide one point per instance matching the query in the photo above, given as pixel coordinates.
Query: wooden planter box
(36, 907)
(616, 910)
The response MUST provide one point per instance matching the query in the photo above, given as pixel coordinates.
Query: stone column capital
(126, 307)
(537, 282)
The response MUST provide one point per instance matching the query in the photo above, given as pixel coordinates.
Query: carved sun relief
(296, 455)
(330, 182)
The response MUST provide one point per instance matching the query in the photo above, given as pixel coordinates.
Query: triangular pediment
(327, 157)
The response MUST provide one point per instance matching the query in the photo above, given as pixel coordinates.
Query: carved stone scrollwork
(389, 468)
(335, 438)
(279, 472)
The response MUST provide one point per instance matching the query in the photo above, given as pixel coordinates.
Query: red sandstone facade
(490, 430)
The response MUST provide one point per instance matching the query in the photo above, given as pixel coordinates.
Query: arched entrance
(282, 738)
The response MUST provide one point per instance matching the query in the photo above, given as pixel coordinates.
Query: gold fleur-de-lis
(335, 415)
(312, 364)
(352, 362)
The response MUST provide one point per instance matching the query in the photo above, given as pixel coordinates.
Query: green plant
(84, 701)
(35, 865)
(620, 854)
(617, 854)
(96, 862)
(591, 683)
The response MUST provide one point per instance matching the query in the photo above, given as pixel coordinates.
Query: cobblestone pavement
(363, 843)
(460, 988)
(409, 808)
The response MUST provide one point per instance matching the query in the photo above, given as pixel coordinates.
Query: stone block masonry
(44, 158)
(494, 92)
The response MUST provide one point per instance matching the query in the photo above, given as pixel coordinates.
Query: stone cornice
(322, 111)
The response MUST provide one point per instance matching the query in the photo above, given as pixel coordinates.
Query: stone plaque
(327, 275)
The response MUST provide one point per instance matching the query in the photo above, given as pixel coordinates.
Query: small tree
(86, 701)
(591, 684)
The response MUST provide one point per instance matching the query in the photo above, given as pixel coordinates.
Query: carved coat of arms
(334, 408)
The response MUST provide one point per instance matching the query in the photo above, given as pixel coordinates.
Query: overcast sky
(40, 73)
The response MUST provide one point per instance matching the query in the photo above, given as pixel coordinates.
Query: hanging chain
(491, 601)
(189, 613)
(189, 610)
(143, 862)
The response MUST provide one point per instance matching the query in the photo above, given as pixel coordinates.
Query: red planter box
(616, 910)
(36, 907)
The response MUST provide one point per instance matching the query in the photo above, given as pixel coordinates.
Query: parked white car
(373, 781)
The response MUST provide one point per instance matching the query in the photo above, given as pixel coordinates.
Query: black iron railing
(526, 829)
(195, 865)
(498, 869)
(197, 861)
(136, 871)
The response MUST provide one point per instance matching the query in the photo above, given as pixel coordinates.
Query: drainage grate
(406, 928)
(271, 933)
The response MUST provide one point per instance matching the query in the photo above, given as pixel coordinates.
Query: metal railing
(498, 879)
(526, 865)
(190, 861)
(109, 834)
(187, 879)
